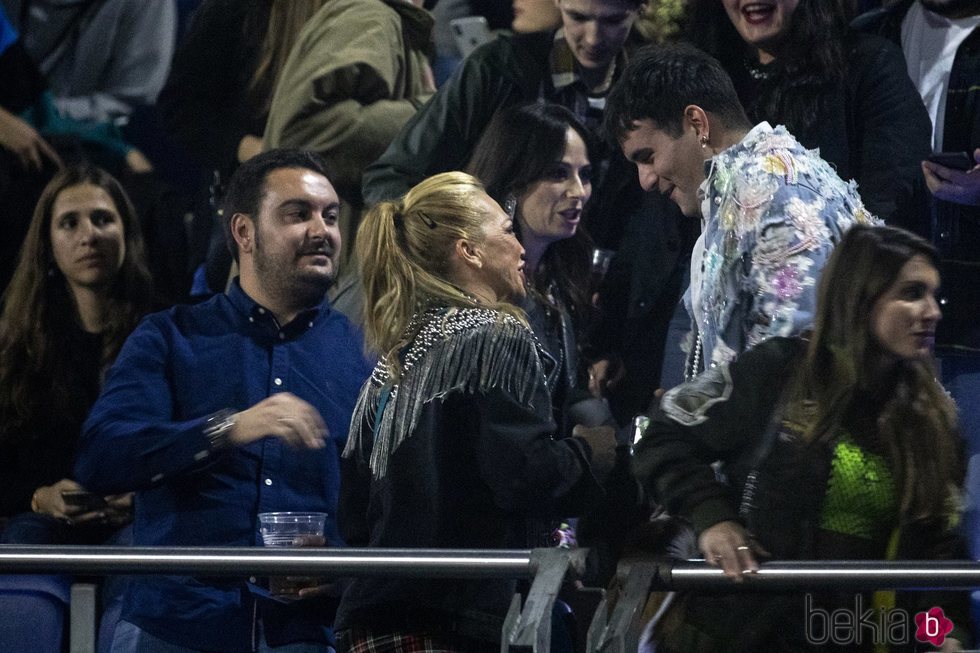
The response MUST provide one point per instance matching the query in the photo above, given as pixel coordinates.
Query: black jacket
(726, 414)
(470, 462)
(872, 127)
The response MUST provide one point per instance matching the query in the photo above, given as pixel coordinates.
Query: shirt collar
(564, 67)
(756, 134)
(264, 319)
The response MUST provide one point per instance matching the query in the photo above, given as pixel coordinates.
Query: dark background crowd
(123, 124)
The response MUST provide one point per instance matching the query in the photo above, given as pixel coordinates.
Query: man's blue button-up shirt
(146, 433)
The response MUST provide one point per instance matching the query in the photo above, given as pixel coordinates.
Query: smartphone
(954, 160)
(470, 33)
(85, 500)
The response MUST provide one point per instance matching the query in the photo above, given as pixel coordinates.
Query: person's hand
(304, 587)
(26, 144)
(137, 162)
(654, 404)
(119, 509)
(727, 545)
(602, 441)
(322, 588)
(960, 186)
(282, 415)
(603, 375)
(249, 146)
(49, 500)
(428, 79)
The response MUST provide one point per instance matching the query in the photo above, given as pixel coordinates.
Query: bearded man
(217, 412)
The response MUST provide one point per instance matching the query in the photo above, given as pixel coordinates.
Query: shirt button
(282, 336)
(277, 381)
(268, 481)
(251, 319)
(310, 324)
(252, 579)
(261, 311)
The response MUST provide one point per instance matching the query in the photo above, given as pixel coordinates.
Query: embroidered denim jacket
(773, 212)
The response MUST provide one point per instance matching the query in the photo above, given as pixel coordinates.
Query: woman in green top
(842, 446)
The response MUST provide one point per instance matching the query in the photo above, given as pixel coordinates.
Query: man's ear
(243, 231)
(468, 253)
(697, 118)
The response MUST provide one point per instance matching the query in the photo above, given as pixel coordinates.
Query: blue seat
(34, 613)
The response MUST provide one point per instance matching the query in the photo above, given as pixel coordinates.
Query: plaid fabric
(358, 640)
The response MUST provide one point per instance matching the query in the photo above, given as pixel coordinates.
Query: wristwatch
(218, 428)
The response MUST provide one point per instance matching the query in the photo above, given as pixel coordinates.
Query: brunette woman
(535, 161)
(843, 446)
(80, 286)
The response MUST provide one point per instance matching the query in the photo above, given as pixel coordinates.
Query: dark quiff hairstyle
(809, 60)
(660, 81)
(521, 146)
(39, 311)
(916, 425)
(247, 184)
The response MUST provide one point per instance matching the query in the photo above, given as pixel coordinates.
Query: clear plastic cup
(290, 529)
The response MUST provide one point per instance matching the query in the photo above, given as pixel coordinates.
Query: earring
(704, 141)
(510, 205)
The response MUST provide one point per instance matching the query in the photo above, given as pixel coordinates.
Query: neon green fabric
(861, 494)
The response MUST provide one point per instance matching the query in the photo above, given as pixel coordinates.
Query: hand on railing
(727, 545)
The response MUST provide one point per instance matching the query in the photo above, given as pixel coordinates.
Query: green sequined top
(861, 498)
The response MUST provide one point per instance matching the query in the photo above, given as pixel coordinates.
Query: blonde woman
(451, 444)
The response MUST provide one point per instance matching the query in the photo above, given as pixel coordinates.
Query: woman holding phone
(80, 286)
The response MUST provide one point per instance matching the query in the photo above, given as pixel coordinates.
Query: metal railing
(527, 627)
(615, 626)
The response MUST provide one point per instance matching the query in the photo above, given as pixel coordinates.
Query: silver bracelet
(217, 428)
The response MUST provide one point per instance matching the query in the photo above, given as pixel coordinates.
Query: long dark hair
(915, 420)
(810, 61)
(39, 310)
(519, 147)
